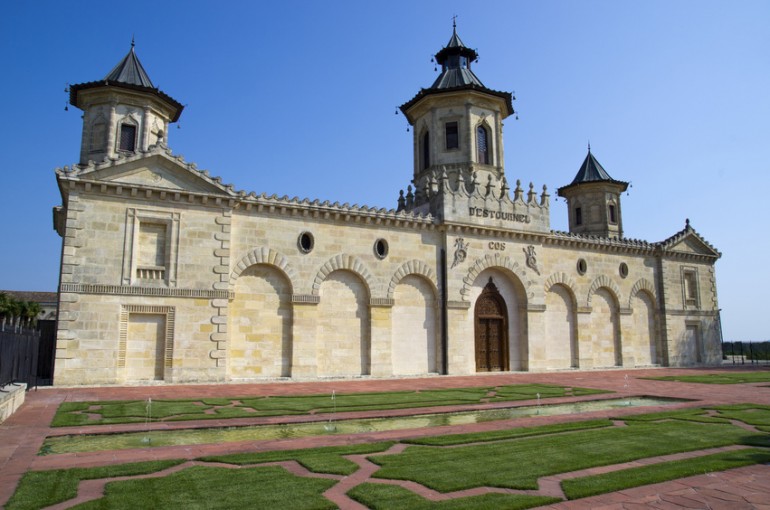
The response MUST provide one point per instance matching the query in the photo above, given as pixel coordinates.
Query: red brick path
(22, 435)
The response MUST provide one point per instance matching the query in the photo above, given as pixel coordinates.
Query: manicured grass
(518, 464)
(319, 460)
(753, 414)
(694, 415)
(625, 479)
(514, 433)
(211, 488)
(39, 489)
(137, 411)
(719, 378)
(389, 497)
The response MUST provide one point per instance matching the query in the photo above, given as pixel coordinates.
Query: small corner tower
(123, 113)
(457, 121)
(593, 200)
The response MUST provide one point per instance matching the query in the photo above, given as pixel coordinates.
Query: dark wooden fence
(19, 357)
(746, 353)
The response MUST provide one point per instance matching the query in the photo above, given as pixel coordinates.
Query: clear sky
(298, 98)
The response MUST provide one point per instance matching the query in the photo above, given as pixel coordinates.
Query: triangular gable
(156, 171)
(689, 241)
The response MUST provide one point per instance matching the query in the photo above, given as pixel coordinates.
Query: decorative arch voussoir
(416, 267)
(266, 256)
(347, 262)
(498, 261)
(643, 285)
(606, 282)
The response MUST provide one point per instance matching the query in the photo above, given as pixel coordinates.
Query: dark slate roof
(130, 71)
(451, 78)
(456, 75)
(592, 171)
(128, 74)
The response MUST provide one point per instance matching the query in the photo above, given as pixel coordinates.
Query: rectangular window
(127, 138)
(690, 288)
(452, 136)
(578, 216)
(151, 263)
(613, 217)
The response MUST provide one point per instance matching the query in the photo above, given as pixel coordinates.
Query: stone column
(112, 130)
(145, 128)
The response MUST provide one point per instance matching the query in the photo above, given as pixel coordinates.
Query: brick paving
(22, 435)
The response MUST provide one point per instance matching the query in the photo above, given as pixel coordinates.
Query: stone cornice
(125, 290)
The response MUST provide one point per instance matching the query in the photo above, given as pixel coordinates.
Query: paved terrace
(22, 435)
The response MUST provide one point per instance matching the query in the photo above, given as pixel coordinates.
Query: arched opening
(260, 324)
(415, 327)
(491, 330)
(561, 348)
(425, 151)
(647, 350)
(344, 328)
(607, 346)
(482, 145)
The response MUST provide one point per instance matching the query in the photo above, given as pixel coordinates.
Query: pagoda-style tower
(124, 112)
(593, 200)
(458, 122)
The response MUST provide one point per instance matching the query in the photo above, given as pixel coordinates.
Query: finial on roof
(132, 41)
(589, 145)
(454, 22)
(687, 223)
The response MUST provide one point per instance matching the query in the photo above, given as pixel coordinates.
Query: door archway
(491, 331)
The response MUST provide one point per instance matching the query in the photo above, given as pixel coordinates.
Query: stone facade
(169, 275)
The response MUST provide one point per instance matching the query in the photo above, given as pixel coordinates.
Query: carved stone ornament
(461, 251)
(529, 251)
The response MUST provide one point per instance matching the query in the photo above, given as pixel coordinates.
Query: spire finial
(454, 22)
(589, 145)
(132, 41)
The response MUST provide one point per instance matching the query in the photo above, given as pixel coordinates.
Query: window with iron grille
(127, 138)
(481, 146)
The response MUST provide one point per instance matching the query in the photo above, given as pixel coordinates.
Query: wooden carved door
(491, 331)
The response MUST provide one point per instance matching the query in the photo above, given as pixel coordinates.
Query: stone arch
(606, 282)
(413, 267)
(562, 279)
(499, 261)
(267, 256)
(343, 261)
(643, 285)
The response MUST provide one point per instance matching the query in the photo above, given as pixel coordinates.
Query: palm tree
(33, 309)
(5, 304)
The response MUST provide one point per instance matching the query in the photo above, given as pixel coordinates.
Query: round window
(582, 267)
(623, 270)
(305, 242)
(381, 248)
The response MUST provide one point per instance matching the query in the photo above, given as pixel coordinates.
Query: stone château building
(167, 274)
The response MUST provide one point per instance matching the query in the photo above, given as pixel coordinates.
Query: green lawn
(517, 464)
(138, 411)
(514, 458)
(719, 378)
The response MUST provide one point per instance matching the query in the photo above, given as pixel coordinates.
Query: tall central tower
(458, 122)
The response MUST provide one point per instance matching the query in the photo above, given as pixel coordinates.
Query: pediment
(158, 171)
(692, 243)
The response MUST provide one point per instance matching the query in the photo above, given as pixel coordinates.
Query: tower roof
(592, 171)
(130, 71)
(455, 59)
(129, 74)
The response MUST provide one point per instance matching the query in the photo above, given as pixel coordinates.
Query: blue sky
(298, 98)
